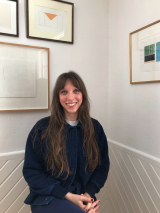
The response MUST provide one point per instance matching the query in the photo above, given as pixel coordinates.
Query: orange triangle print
(51, 16)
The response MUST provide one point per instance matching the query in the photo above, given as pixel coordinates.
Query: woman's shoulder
(41, 124)
(97, 126)
(96, 123)
(43, 121)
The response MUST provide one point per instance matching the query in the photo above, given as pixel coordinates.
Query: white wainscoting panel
(133, 184)
(13, 188)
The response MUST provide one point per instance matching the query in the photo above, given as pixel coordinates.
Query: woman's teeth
(71, 104)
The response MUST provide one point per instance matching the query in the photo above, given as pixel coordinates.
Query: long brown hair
(56, 158)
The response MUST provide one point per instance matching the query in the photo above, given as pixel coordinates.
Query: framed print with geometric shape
(145, 54)
(9, 18)
(24, 77)
(50, 20)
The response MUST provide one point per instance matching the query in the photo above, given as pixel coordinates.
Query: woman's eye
(64, 92)
(76, 90)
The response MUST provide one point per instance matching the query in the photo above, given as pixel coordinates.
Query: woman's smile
(71, 99)
(71, 104)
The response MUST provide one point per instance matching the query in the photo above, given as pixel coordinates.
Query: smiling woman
(66, 158)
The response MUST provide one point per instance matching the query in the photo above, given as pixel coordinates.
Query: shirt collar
(68, 126)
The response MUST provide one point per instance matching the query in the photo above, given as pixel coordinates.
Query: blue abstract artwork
(157, 51)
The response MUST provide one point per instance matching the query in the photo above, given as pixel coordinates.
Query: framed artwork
(50, 20)
(145, 54)
(24, 77)
(9, 18)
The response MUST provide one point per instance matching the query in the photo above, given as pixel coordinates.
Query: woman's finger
(86, 199)
(96, 208)
(88, 206)
(95, 203)
(91, 207)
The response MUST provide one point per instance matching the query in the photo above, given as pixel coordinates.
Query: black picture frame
(41, 20)
(9, 24)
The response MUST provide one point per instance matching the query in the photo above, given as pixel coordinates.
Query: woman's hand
(94, 207)
(78, 200)
(90, 205)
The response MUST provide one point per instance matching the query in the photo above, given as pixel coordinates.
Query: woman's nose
(70, 96)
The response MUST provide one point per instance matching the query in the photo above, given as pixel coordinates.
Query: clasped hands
(83, 201)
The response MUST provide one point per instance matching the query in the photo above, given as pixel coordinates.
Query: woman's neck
(71, 117)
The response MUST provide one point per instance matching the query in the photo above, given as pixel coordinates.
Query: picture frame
(145, 54)
(50, 20)
(9, 18)
(24, 77)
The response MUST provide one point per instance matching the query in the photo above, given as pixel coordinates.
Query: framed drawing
(24, 77)
(9, 18)
(50, 20)
(145, 54)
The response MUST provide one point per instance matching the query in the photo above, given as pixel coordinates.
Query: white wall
(88, 56)
(101, 33)
(134, 110)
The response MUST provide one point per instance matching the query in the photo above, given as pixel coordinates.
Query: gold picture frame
(24, 77)
(145, 54)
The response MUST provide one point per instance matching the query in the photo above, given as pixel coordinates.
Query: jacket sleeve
(34, 169)
(100, 174)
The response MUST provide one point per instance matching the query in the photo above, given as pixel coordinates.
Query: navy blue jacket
(43, 186)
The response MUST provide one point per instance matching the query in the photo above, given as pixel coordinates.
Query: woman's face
(71, 99)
